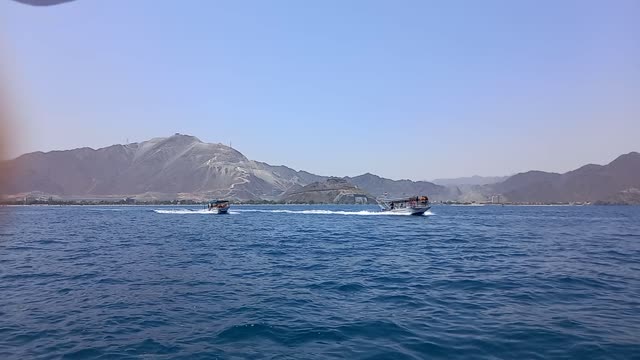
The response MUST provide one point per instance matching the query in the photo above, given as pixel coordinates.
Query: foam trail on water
(330, 212)
(283, 211)
(186, 212)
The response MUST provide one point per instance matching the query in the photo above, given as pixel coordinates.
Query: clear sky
(403, 89)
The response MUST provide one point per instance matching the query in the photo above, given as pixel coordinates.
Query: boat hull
(220, 211)
(410, 210)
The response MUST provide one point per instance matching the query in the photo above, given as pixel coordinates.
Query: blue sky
(403, 89)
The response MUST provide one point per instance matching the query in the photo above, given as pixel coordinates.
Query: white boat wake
(187, 212)
(330, 212)
(283, 211)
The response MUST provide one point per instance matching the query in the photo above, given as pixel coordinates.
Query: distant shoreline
(290, 204)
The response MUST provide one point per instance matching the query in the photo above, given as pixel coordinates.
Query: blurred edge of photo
(6, 123)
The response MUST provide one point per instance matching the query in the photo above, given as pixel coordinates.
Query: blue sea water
(317, 282)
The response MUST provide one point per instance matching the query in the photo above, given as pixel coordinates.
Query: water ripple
(320, 282)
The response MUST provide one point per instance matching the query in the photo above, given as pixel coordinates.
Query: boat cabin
(218, 205)
(404, 203)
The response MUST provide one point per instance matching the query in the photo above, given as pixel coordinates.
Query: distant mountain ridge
(589, 183)
(183, 167)
(332, 190)
(378, 186)
(470, 180)
(179, 166)
(176, 166)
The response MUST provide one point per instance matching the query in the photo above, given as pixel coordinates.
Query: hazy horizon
(419, 91)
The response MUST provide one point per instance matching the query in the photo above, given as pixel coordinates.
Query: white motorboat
(219, 206)
(416, 205)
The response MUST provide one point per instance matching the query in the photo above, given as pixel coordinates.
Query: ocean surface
(318, 282)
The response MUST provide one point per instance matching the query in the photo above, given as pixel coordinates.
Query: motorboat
(219, 206)
(416, 205)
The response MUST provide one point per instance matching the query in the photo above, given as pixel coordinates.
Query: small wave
(351, 287)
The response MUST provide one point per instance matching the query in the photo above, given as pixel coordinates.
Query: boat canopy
(218, 201)
(423, 198)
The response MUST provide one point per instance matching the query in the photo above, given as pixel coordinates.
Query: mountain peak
(632, 156)
(368, 174)
(183, 137)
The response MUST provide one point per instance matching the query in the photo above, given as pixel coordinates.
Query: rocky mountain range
(589, 183)
(379, 186)
(330, 191)
(179, 166)
(470, 180)
(183, 167)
